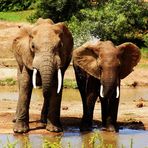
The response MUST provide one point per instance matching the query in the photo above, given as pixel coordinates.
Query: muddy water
(72, 136)
(127, 94)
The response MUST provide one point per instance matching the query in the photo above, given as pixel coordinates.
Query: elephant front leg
(44, 111)
(88, 109)
(53, 117)
(22, 115)
(109, 109)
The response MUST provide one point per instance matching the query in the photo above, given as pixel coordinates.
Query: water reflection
(72, 136)
(124, 138)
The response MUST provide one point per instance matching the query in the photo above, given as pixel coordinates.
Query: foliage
(116, 20)
(122, 21)
(9, 144)
(16, 5)
(8, 81)
(59, 10)
(82, 24)
(20, 16)
(48, 144)
(145, 38)
(68, 83)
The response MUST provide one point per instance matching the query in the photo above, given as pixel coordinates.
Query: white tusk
(101, 91)
(34, 78)
(118, 92)
(59, 80)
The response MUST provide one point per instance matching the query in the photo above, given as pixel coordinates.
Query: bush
(145, 38)
(82, 24)
(16, 5)
(116, 20)
(122, 21)
(59, 10)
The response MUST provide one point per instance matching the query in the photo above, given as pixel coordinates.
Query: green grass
(95, 141)
(20, 16)
(144, 52)
(69, 83)
(8, 82)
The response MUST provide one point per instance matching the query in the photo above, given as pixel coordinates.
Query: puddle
(73, 138)
(127, 94)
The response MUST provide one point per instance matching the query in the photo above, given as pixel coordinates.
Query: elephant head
(107, 62)
(46, 49)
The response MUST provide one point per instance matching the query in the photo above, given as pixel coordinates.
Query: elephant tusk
(101, 91)
(118, 92)
(34, 78)
(59, 80)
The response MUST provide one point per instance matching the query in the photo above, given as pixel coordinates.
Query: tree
(15, 5)
(59, 10)
(122, 20)
(116, 20)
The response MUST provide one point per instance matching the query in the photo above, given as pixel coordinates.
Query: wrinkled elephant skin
(43, 53)
(99, 67)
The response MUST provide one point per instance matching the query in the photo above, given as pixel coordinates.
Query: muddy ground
(131, 114)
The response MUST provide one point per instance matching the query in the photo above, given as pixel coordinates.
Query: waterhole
(72, 137)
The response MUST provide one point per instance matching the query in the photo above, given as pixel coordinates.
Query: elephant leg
(53, 117)
(113, 112)
(19, 79)
(104, 112)
(22, 112)
(88, 109)
(81, 82)
(44, 111)
(109, 108)
(89, 96)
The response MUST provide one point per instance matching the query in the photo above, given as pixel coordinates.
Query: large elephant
(43, 53)
(99, 67)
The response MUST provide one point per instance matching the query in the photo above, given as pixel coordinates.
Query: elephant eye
(32, 46)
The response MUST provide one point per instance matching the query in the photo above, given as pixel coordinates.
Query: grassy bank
(21, 16)
(68, 83)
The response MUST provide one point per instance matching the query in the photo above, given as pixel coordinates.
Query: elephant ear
(21, 48)
(66, 41)
(86, 57)
(130, 56)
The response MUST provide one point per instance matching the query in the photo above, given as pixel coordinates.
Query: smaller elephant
(43, 52)
(99, 66)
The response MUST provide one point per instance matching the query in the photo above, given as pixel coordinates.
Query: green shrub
(116, 20)
(122, 21)
(83, 24)
(145, 38)
(59, 10)
(16, 5)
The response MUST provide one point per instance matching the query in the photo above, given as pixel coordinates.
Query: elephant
(43, 53)
(99, 67)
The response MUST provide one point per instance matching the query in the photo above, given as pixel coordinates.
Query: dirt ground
(132, 114)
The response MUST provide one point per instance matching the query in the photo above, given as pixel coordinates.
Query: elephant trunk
(47, 71)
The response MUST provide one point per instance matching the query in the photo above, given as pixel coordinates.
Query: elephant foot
(53, 128)
(110, 128)
(86, 126)
(43, 121)
(21, 127)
